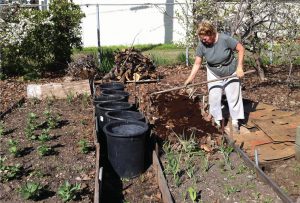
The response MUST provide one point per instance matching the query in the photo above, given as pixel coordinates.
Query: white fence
(137, 22)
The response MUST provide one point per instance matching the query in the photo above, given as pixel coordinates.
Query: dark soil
(173, 115)
(170, 115)
(219, 182)
(64, 162)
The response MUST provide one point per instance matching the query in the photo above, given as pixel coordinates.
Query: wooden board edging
(259, 172)
(98, 175)
(162, 183)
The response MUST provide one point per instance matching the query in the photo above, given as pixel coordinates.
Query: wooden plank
(58, 90)
(98, 174)
(162, 183)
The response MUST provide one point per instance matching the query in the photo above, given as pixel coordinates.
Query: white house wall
(127, 24)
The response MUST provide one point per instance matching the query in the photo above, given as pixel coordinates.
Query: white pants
(232, 88)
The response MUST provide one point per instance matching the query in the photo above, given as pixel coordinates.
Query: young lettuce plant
(44, 136)
(68, 191)
(31, 190)
(2, 128)
(13, 148)
(52, 120)
(31, 126)
(83, 146)
(44, 150)
(8, 172)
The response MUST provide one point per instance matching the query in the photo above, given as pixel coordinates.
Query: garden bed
(173, 115)
(47, 143)
(170, 116)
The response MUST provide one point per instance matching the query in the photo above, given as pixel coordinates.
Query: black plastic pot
(101, 120)
(116, 92)
(112, 86)
(108, 98)
(124, 116)
(126, 146)
(102, 108)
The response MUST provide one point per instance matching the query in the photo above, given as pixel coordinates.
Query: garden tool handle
(200, 83)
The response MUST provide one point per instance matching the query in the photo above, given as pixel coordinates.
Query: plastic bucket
(124, 116)
(126, 146)
(116, 92)
(111, 86)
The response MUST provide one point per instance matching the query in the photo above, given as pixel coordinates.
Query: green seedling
(83, 146)
(44, 136)
(44, 150)
(31, 126)
(226, 151)
(85, 99)
(206, 164)
(167, 147)
(37, 173)
(192, 194)
(29, 132)
(241, 169)
(230, 189)
(83, 122)
(268, 200)
(2, 128)
(188, 145)
(70, 97)
(9, 172)
(190, 168)
(49, 101)
(31, 190)
(13, 147)
(2, 160)
(256, 195)
(174, 167)
(68, 191)
(52, 120)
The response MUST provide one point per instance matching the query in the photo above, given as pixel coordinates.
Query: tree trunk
(259, 67)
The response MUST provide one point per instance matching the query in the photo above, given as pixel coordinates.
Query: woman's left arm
(240, 66)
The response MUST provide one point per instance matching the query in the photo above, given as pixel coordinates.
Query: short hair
(206, 28)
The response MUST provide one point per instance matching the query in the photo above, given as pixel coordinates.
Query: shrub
(38, 40)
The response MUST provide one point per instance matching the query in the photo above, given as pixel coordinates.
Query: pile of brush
(82, 67)
(131, 65)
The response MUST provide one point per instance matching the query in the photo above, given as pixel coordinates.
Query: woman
(217, 49)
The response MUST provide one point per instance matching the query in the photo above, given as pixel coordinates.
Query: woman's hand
(239, 72)
(186, 83)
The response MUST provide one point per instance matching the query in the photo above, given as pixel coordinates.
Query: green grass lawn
(166, 54)
(161, 54)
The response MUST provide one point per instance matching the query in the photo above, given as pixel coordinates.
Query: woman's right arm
(196, 66)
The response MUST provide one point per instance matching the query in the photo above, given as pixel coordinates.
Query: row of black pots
(121, 130)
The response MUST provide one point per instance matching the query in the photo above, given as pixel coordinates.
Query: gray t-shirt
(219, 56)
